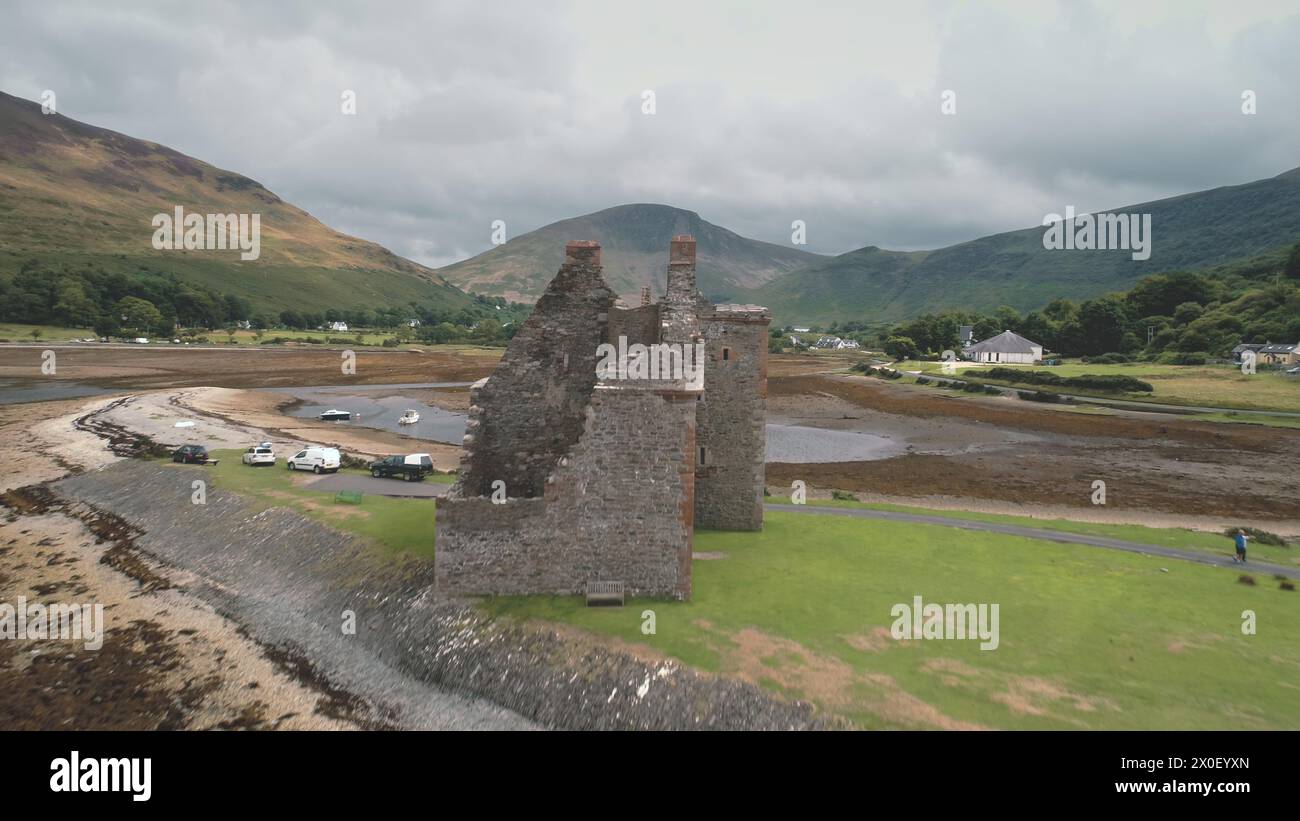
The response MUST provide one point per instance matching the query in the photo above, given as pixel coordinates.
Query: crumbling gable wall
(530, 411)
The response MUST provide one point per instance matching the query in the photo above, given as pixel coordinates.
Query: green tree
(138, 314)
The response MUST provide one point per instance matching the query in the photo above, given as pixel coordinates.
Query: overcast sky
(530, 112)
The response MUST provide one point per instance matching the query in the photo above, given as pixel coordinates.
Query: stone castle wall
(619, 507)
(732, 418)
(529, 413)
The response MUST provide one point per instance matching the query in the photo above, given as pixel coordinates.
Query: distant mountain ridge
(73, 194)
(1189, 231)
(634, 242)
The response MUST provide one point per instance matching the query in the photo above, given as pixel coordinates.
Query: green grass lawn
(18, 332)
(1181, 538)
(1089, 638)
(396, 525)
(1220, 386)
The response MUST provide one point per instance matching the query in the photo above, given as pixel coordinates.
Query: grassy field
(17, 332)
(1089, 638)
(1181, 538)
(397, 525)
(1220, 386)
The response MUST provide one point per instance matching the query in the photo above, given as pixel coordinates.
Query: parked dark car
(412, 467)
(190, 454)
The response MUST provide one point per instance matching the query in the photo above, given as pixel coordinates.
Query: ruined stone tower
(570, 476)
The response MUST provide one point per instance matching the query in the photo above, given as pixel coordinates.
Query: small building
(828, 342)
(338, 326)
(847, 345)
(966, 335)
(1271, 354)
(1006, 347)
(1241, 349)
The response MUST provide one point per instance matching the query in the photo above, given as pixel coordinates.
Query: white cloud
(766, 112)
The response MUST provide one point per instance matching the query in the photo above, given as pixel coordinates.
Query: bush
(923, 380)
(994, 391)
(1258, 536)
(1108, 383)
(1172, 358)
(390, 342)
(1108, 359)
(1039, 396)
(973, 387)
(843, 496)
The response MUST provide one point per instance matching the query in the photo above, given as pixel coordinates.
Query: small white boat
(410, 417)
(335, 416)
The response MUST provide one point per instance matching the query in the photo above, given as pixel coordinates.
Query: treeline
(1176, 317)
(153, 302)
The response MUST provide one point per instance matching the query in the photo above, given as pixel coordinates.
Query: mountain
(634, 252)
(74, 196)
(1188, 232)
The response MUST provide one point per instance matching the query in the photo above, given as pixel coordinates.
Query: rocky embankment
(298, 587)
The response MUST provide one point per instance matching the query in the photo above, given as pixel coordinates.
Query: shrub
(1287, 586)
(923, 380)
(973, 387)
(1244, 579)
(1108, 359)
(390, 342)
(1107, 383)
(990, 389)
(1038, 396)
(1173, 358)
(1257, 535)
(843, 496)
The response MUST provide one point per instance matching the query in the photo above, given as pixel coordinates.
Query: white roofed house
(1006, 347)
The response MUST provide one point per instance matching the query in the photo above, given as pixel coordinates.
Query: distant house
(244, 324)
(966, 335)
(1006, 347)
(1272, 354)
(800, 330)
(1242, 348)
(338, 326)
(847, 345)
(828, 342)
(794, 340)
(415, 323)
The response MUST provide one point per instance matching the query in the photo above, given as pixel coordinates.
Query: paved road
(1043, 533)
(334, 482)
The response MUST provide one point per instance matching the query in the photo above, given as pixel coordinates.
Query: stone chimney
(582, 252)
(679, 315)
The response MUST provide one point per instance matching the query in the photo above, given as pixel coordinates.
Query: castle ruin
(572, 473)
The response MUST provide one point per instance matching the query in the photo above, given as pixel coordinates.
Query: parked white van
(317, 460)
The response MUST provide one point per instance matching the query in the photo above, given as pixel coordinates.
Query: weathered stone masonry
(603, 479)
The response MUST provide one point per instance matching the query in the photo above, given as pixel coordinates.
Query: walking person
(1241, 540)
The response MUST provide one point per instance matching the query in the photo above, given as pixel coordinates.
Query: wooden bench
(604, 594)
(351, 497)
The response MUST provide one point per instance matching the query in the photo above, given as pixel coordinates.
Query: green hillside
(634, 252)
(76, 204)
(1189, 232)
